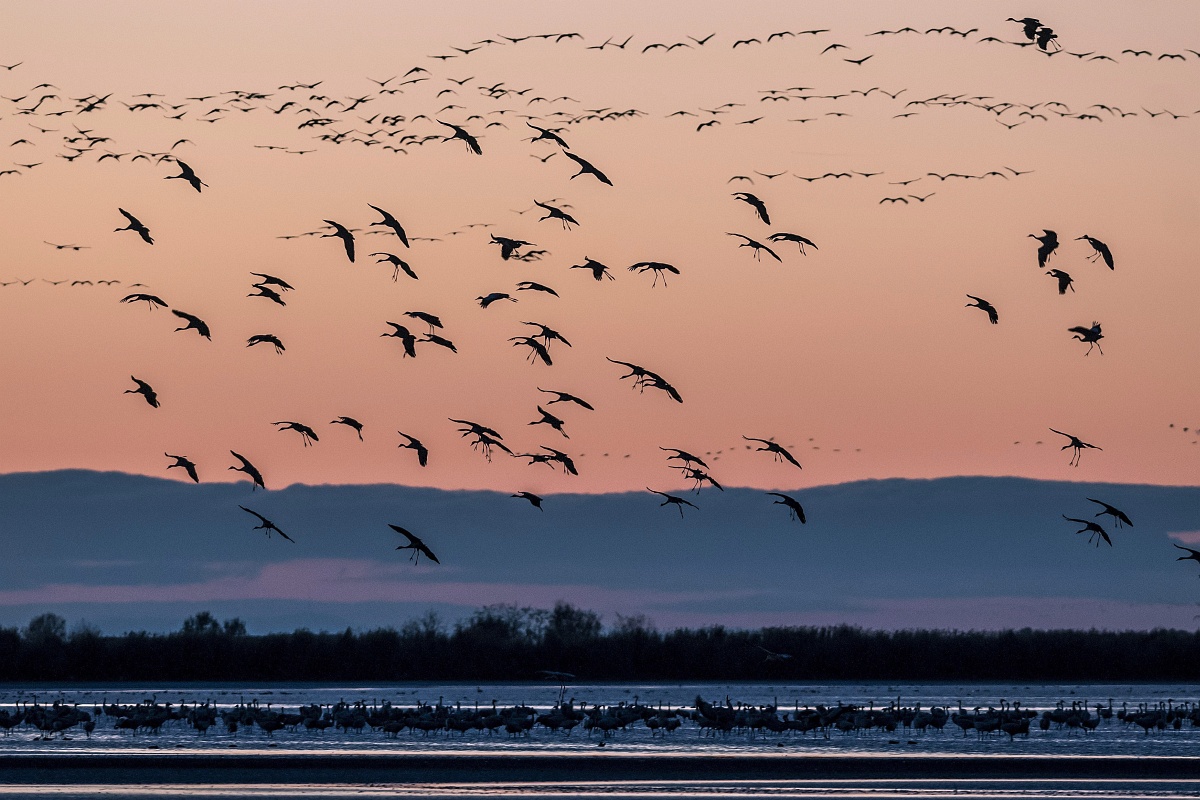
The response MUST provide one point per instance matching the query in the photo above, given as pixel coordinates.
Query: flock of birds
(58, 719)
(340, 121)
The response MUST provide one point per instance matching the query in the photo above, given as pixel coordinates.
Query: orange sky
(860, 356)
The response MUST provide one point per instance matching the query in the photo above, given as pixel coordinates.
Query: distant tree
(202, 623)
(46, 628)
(234, 627)
(571, 626)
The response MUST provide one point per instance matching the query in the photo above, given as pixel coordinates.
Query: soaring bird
(186, 464)
(193, 323)
(1029, 25)
(415, 444)
(250, 470)
(188, 174)
(397, 265)
(416, 545)
(402, 333)
(1090, 335)
(986, 306)
(1101, 249)
(307, 434)
(349, 422)
(271, 280)
(391, 223)
(1117, 514)
(1193, 555)
(1064, 280)
(265, 525)
(674, 500)
(1049, 243)
(683, 455)
(1077, 444)
(135, 225)
(269, 293)
(151, 300)
(1092, 529)
(433, 338)
(760, 208)
(781, 454)
(757, 248)
(795, 510)
(658, 268)
(560, 457)
(459, 133)
(343, 233)
(548, 135)
(585, 168)
(145, 391)
(533, 286)
(554, 212)
(429, 319)
(509, 247)
(533, 499)
(793, 237)
(551, 420)
(599, 271)
(266, 338)
(487, 299)
(536, 349)
(547, 333)
(564, 397)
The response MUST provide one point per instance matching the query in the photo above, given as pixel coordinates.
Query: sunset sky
(860, 356)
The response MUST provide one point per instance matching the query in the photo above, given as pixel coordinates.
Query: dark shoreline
(558, 767)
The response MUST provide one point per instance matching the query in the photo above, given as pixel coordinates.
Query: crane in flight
(1048, 243)
(1064, 280)
(1090, 335)
(1077, 444)
(402, 333)
(700, 477)
(145, 390)
(307, 434)
(341, 232)
(269, 293)
(586, 168)
(554, 212)
(757, 248)
(980, 303)
(186, 464)
(392, 224)
(193, 323)
(509, 247)
(683, 455)
(551, 420)
(1117, 514)
(151, 300)
(418, 547)
(795, 510)
(186, 173)
(265, 525)
(599, 271)
(250, 470)
(1092, 529)
(1193, 555)
(397, 264)
(800, 241)
(349, 422)
(415, 444)
(760, 208)
(461, 134)
(1100, 248)
(564, 397)
(658, 268)
(136, 226)
(673, 500)
(536, 349)
(266, 338)
(781, 453)
(533, 499)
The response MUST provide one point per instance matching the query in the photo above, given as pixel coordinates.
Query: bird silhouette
(135, 225)
(349, 422)
(343, 233)
(186, 464)
(554, 212)
(392, 224)
(586, 168)
(1029, 25)
(1193, 555)
(271, 280)
(397, 265)
(760, 208)
(429, 319)
(193, 323)
(757, 248)
(265, 525)
(487, 299)
(145, 391)
(795, 510)
(673, 500)
(269, 293)
(188, 174)
(533, 286)
(1090, 335)
(250, 470)
(461, 134)
(1049, 243)
(658, 268)
(549, 419)
(418, 547)
(548, 135)
(266, 338)
(536, 349)
(1092, 529)
(599, 271)
(1117, 514)
(509, 247)
(307, 434)
(564, 397)
(779, 451)
(402, 333)
(1101, 249)
(800, 241)
(533, 499)
(986, 306)
(1077, 444)
(150, 300)
(1064, 280)
(415, 445)
(683, 455)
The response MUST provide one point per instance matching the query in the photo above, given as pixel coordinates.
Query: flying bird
(1077, 444)
(1193, 555)
(1101, 249)
(307, 434)
(1049, 243)
(674, 500)
(564, 397)
(266, 338)
(1092, 529)
(795, 510)
(349, 422)
(250, 470)
(800, 241)
(599, 271)
(416, 545)
(150, 300)
(391, 223)
(193, 323)
(145, 390)
(343, 233)
(509, 247)
(135, 225)
(760, 208)
(533, 499)
(585, 168)
(984, 305)
(186, 464)
(1064, 280)
(265, 525)
(415, 444)
(757, 248)
(406, 338)
(188, 174)
(459, 133)
(781, 453)
(397, 265)
(1090, 335)
(658, 268)
(1117, 514)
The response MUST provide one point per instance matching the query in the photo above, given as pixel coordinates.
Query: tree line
(510, 643)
